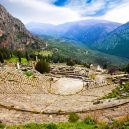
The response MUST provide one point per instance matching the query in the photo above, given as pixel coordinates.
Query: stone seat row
(18, 88)
(92, 85)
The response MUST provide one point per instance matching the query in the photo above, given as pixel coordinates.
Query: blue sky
(61, 11)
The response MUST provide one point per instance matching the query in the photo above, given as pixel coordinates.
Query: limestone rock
(13, 33)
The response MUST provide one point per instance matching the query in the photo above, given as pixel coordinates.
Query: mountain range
(106, 36)
(87, 32)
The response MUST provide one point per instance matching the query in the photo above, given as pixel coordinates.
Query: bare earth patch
(67, 86)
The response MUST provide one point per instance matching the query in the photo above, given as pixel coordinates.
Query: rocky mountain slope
(87, 32)
(117, 42)
(13, 33)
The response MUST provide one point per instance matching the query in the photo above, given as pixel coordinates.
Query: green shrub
(126, 125)
(28, 73)
(73, 117)
(86, 65)
(2, 126)
(89, 121)
(120, 125)
(70, 62)
(32, 126)
(42, 66)
(51, 126)
(116, 125)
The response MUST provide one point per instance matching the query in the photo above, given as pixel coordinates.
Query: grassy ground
(28, 73)
(77, 125)
(15, 59)
(68, 125)
(44, 53)
(121, 91)
(87, 123)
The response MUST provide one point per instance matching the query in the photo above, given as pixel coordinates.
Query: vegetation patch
(21, 35)
(42, 66)
(2, 126)
(28, 73)
(121, 91)
(70, 62)
(3, 37)
(73, 117)
(15, 59)
(44, 53)
(86, 124)
(51, 126)
(88, 120)
(63, 50)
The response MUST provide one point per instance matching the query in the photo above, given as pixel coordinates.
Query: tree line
(6, 53)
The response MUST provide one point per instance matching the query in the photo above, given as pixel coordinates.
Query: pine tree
(1, 58)
(27, 56)
(127, 68)
(19, 58)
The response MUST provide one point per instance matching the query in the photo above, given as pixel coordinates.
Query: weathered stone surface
(28, 99)
(13, 117)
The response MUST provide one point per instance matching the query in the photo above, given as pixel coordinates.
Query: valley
(105, 36)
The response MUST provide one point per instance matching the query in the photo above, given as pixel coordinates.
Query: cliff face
(13, 33)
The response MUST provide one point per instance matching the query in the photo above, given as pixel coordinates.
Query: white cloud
(86, 9)
(42, 11)
(119, 14)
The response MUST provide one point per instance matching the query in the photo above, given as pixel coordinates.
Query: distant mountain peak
(84, 31)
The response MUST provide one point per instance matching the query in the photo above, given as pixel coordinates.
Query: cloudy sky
(61, 11)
